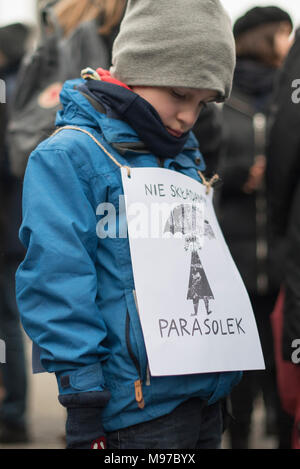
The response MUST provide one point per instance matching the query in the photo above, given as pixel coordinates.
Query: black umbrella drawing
(187, 219)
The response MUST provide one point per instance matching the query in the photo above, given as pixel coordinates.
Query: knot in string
(210, 183)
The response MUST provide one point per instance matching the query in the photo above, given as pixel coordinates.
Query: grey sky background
(24, 10)
(237, 8)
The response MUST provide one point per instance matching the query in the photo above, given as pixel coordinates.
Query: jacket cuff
(85, 379)
(85, 400)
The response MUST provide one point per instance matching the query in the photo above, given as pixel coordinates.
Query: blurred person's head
(70, 13)
(263, 34)
(13, 41)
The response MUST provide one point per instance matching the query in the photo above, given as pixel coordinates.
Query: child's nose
(188, 117)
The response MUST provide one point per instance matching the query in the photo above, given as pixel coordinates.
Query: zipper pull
(139, 394)
(148, 382)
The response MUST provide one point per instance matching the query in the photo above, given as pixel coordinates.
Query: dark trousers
(13, 372)
(192, 425)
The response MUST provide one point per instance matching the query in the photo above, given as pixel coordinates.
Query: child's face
(179, 108)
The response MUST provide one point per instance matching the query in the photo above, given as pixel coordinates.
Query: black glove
(84, 427)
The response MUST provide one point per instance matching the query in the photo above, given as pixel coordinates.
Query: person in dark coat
(262, 42)
(13, 418)
(74, 33)
(283, 188)
(283, 176)
(208, 131)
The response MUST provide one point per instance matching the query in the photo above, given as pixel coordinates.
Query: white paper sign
(195, 312)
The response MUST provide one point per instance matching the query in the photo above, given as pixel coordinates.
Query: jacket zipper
(147, 369)
(138, 383)
(148, 381)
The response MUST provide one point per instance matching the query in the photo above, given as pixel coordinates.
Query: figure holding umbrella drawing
(199, 288)
(187, 219)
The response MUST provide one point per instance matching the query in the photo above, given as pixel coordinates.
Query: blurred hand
(256, 175)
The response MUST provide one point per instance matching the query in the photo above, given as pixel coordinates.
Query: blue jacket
(74, 291)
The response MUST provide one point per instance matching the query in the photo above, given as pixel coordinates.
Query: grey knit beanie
(182, 43)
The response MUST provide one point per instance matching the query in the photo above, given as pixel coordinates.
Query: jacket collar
(80, 111)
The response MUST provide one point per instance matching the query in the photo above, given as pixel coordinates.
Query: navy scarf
(124, 104)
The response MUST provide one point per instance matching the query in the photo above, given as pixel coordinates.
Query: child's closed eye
(178, 95)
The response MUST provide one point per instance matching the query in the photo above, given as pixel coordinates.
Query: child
(74, 290)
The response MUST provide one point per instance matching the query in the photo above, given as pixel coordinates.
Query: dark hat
(258, 16)
(13, 38)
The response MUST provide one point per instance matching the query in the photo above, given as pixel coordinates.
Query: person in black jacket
(74, 34)
(283, 187)
(208, 131)
(13, 418)
(262, 42)
(283, 176)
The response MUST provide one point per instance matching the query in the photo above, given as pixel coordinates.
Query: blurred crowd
(252, 142)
